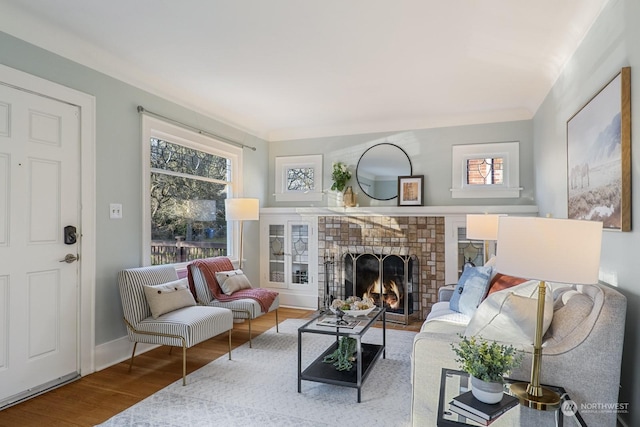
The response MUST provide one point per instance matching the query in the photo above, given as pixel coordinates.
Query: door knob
(69, 258)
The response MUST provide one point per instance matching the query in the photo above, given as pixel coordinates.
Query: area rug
(259, 387)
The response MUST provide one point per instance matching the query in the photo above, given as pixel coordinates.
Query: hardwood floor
(97, 397)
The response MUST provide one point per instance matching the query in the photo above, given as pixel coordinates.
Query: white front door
(39, 196)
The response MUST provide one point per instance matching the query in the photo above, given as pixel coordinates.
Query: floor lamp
(545, 249)
(242, 210)
(483, 227)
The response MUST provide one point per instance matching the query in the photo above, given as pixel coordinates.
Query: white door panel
(39, 196)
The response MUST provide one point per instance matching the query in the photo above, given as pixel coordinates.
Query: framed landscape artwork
(410, 189)
(599, 156)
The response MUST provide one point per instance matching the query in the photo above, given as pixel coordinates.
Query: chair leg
(250, 344)
(133, 353)
(184, 363)
(277, 330)
(230, 343)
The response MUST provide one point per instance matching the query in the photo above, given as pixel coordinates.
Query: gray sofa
(582, 352)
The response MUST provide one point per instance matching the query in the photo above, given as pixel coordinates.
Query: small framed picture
(410, 189)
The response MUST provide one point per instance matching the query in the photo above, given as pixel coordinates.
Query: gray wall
(611, 44)
(430, 154)
(118, 167)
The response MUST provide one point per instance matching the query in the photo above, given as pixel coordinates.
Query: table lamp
(546, 249)
(483, 227)
(241, 209)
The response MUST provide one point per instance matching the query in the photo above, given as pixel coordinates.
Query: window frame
(155, 128)
(510, 186)
(282, 164)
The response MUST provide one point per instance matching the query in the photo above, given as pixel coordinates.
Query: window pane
(485, 171)
(177, 158)
(300, 179)
(187, 219)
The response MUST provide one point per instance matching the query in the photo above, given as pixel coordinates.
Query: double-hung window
(187, 176)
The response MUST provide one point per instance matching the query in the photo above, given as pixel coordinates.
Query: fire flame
(390, 293)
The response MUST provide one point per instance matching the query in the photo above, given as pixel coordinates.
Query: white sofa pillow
(168, 297)
(508, 316)
(232, 281)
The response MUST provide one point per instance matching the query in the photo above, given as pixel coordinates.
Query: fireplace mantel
(405, 210)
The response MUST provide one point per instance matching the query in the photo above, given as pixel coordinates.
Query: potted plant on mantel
(340, 175)
(487, 363)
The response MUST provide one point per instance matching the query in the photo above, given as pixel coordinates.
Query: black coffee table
(366, 355)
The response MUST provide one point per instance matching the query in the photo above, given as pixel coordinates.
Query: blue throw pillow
(471, 289)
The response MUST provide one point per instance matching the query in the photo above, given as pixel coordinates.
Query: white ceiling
(285, 69)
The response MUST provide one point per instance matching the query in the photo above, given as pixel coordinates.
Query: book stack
(482, 413)
(335, 322)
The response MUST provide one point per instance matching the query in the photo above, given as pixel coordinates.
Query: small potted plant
(340, 175)
(487, 362)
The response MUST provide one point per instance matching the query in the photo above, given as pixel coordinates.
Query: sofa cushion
(441, 311)
(470, 290)
(168, 297)
(232, 281)
(506, 316)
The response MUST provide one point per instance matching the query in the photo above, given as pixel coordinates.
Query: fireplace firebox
(391, 280)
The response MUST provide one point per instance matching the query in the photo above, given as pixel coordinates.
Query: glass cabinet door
(289, 254)
(299, 251)
(276, 253)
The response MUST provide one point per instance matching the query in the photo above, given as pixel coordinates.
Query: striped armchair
(245, 308)
(184, 327)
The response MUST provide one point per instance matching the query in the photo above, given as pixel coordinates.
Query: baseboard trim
(116, 351)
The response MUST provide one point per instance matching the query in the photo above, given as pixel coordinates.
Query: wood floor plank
(97, 397)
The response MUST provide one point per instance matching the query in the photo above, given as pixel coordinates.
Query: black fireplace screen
(387, 279)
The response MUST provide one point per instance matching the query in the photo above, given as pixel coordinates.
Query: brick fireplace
(422, 238)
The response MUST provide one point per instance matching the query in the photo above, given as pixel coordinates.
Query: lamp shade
(242, 209)
(549, 249)
(482, 227)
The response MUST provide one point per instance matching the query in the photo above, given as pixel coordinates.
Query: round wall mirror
(379, 168)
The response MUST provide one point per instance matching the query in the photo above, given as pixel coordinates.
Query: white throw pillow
(168, 297)
(232, 281)
(508, 317)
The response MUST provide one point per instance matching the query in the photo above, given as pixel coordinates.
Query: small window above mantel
(486, 170)
(298, 178)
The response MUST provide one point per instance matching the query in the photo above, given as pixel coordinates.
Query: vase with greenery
(340, 175)
(343, 357)
(487, 362)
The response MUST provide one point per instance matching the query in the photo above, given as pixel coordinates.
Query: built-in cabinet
(289, 258)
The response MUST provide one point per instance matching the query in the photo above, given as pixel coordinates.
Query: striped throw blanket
(210, 266)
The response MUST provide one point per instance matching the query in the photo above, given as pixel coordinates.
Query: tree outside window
(188, 188)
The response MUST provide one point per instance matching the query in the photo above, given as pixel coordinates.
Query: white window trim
(152, 127)
(508, 151)
(288, 162)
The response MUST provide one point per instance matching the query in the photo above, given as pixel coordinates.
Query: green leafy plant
(487, 361)
(342, 358)
(340, 175)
